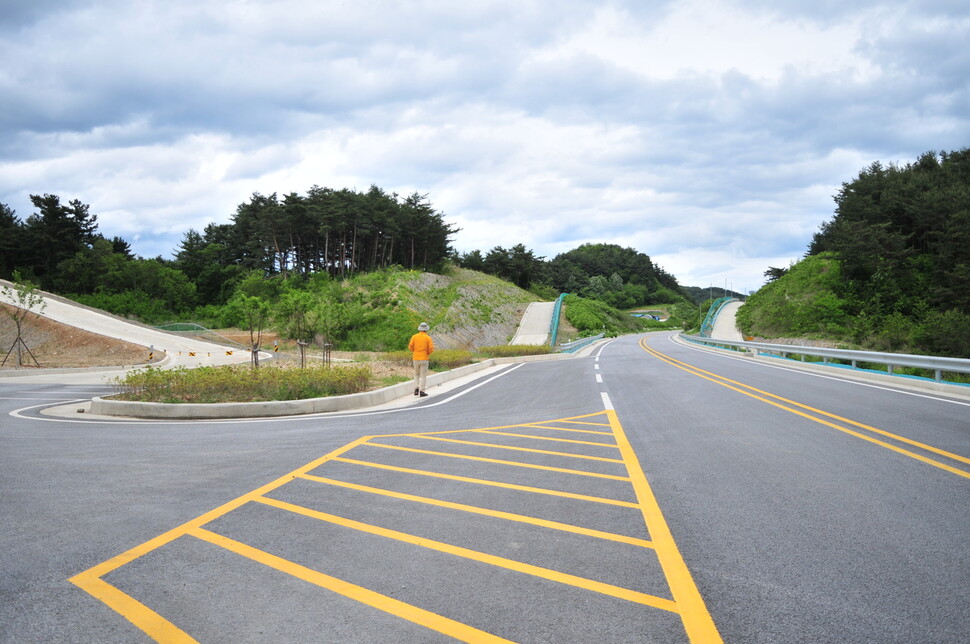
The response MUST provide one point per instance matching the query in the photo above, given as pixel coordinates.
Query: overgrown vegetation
(890, 271)
(591, 317)
(513, 350)
(244, 384)
(241, 384)
(804, 301)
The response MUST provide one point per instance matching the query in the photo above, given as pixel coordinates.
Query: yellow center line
(376, 600)
(508, 486)
(483, 557)
(508, 516)
(766, 397)
(511, 448)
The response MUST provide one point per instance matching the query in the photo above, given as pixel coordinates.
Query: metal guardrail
(708, 324)
(554, 322)
(937, 364)
(576, 345)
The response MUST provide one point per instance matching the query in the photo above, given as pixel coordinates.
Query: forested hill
(323, 233)
(334, 231)
(326, 231)
(890, 271)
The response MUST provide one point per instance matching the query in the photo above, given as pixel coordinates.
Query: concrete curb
(185, 411)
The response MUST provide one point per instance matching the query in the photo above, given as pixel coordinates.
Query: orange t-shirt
(421, 346)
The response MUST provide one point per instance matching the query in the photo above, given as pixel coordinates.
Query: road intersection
(646, 492)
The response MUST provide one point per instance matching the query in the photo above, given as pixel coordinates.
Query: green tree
(205, 263)
(12, 248)
(902, 237)
(330, 319)
(571, 271)
(472, 261)
(774, 273)
(518, 264)
(254, 314)
(56, 232)
(86, 271)
(295, 315)
(497, 262)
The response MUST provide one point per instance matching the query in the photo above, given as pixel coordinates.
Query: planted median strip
(238, 383)
(241, 384)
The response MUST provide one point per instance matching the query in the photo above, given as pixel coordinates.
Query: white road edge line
(17, 412)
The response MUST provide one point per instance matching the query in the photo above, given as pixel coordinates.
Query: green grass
(590, 317)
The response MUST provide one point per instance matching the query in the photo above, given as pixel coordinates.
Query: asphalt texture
(789, 507)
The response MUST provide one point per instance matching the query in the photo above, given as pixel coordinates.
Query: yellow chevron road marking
(684, 598)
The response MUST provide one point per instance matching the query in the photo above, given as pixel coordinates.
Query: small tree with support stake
(25, 299)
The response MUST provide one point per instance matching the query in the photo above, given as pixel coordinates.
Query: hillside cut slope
(465, 308)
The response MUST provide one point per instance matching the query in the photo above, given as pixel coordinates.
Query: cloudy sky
(708, 134)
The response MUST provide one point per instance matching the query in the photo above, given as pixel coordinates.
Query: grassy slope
(466, 309)
(801, 303)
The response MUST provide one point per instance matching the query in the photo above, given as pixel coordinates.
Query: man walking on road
(421, 346)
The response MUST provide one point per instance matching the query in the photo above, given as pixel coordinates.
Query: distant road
(725, 326)
(534, 326)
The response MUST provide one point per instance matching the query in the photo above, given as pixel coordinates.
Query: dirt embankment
(58, 345)
(479, 311)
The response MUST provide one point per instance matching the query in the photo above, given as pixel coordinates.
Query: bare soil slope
(59, 345)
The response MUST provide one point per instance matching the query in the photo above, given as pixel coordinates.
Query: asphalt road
(634, 495)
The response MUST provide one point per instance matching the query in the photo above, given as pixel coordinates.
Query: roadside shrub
(510, 350)
(946, 334)
(590, 317)
(241, 383)
(133, 303)
(402, 357)
(450, 358)
(440, 359)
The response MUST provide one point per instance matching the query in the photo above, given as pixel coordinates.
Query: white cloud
(708, 37)
(709, 134)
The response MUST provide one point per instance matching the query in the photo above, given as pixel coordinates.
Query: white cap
(423, 326)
